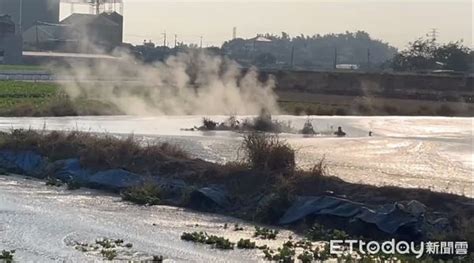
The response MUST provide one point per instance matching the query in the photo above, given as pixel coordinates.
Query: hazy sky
(396, 22)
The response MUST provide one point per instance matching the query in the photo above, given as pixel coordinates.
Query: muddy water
(435, 153)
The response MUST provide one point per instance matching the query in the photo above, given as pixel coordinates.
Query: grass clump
(73, 185)
(204, 238)
(238, 228)
(318, 233)
(265, 233)
(268, 152)
(284, 254)
(157, 259)
(209, 124)
(306, 257)
(109, 254)
(51, 181)
(7, 256)
(148, 194)
(245, 244)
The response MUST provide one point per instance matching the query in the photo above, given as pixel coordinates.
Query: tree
(425, 54)
(265, 59)
(454, 56)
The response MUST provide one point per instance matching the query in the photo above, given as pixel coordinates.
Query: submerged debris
(308, 128)
(340, 132)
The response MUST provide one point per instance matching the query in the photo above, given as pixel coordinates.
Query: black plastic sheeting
(389, 218)
(210, 198)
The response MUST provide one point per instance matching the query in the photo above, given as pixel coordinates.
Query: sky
(396, 22)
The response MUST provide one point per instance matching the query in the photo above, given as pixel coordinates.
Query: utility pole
(335, 58)
(97, 7)
(164, 39)
(368, 58)
(292, 56)
(201, 43)
(433, 34)
(20, 23)
(175, 40)
(234, 33)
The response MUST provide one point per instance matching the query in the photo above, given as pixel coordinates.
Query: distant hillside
(309, 52)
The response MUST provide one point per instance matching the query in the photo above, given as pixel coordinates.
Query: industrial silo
(31, 11)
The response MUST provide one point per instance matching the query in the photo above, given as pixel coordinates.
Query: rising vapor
(189, 83)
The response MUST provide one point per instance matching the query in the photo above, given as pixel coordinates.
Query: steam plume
(185, 84)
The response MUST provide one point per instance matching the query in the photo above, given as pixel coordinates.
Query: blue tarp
(388, 219)
(26, 162)
(115, 179)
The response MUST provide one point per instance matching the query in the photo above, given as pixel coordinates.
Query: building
(30, 12)
(10, 42)
(104, 30)
(77, 33)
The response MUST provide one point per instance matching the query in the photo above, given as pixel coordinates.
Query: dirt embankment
(352, 93)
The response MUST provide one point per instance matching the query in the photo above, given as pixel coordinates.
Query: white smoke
(185, 84)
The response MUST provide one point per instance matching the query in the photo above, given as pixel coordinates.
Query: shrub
(51, 181)
(265, 233)
(73, 185)
(157, 259)
(306, 257)
(318, 233)
(109, 254)
(209, 124)
(245, 244)
(204, 238)
(267, 152)
(285, 254)
(7, 256)
(148, 194)
(320, 168)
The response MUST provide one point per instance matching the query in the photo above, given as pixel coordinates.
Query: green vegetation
(16, 68)
(73, 185)
(148, 194)
(108, 248)
(245, 244)
(51, 181)
(7, 256)
(204, 238)
(35, 99)
(238, 228)
(311, 52)
(426, 54)
(265, 233)
(318, 233)
(157, 259)
(268, 152)
(284, 254)
(306, 257)
(109, 254)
